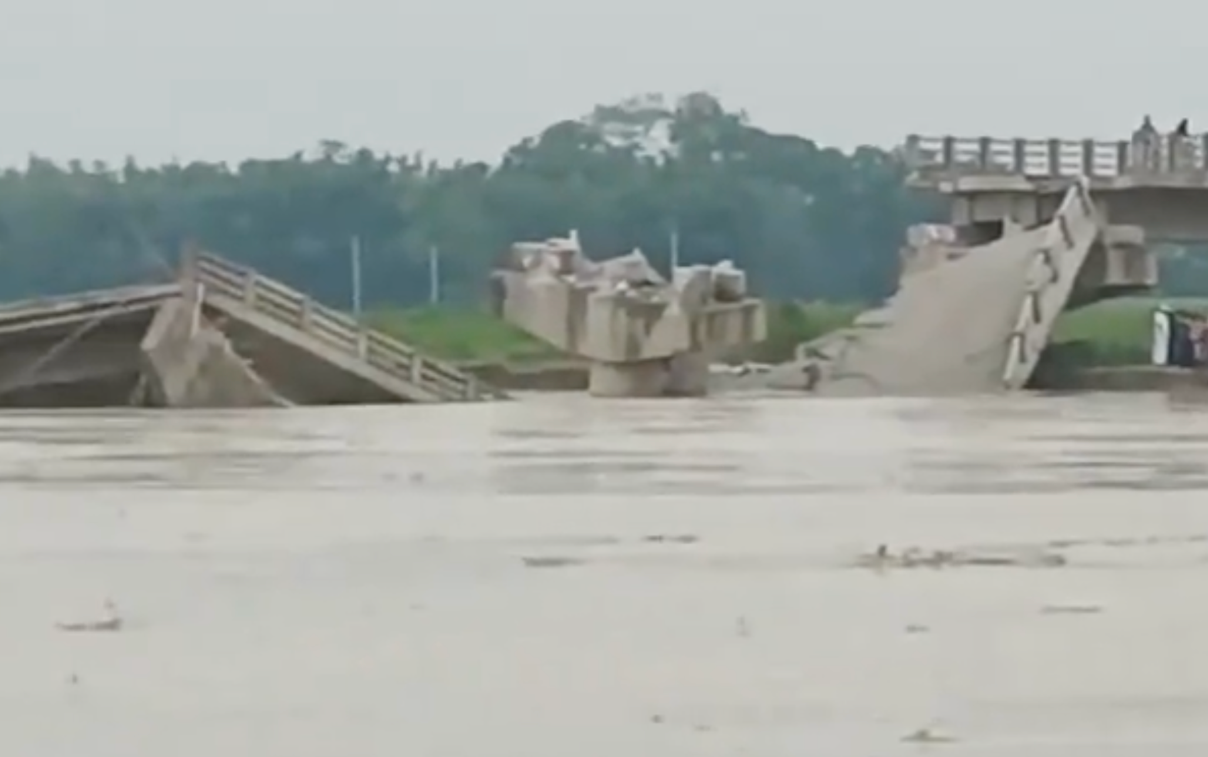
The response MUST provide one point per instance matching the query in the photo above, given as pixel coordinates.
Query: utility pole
(674, 248)
(355, 255)
(433, 275)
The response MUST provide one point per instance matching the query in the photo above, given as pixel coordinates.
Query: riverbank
(509, 358)
(1106, 344)
(475, 337)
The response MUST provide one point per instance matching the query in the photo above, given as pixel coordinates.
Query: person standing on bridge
(1146, 146)
(1182, 148)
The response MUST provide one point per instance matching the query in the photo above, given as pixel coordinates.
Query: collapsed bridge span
(222, 335)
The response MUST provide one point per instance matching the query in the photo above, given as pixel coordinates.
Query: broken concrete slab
(190, 363)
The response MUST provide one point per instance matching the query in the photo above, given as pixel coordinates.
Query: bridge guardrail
(1049, 158)
(336, 329)
(1053, 270)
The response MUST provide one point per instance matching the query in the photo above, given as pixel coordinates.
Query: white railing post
(199, 298)
(305, 316)
(249, 288)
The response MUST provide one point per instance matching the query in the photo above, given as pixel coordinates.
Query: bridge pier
(682, 375)
(643, 378)
(643, 336)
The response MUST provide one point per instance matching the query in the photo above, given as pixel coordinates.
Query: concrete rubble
(643, 335)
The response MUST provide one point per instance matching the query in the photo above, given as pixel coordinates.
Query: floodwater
(559, 576)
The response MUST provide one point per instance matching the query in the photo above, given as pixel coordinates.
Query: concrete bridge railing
(1052, 158)
(1051, 277)
(335, 329)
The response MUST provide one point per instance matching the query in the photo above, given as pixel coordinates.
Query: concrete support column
(688, 375)
(682, 375)
(646, 378)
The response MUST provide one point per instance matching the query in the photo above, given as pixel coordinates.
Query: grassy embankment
(1115, 332)
(476, 337)
(462, 335)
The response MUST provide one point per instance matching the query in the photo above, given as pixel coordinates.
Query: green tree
(804, 220)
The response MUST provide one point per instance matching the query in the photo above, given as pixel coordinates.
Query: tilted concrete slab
(973, 324)
(75, 352)
(643, 335)
(313, 354)
(1058, 259)
(131, 346)
(302, 367)
(189, 363)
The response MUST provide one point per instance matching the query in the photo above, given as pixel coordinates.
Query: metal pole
(355, 254)
(433, 275)
(674, 248)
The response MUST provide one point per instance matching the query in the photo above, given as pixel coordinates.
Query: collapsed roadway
(1037, 227)
(222, 335)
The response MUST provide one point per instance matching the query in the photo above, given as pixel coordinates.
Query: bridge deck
(294, 341)
(975, 324)
(65, 308)
(84, 348)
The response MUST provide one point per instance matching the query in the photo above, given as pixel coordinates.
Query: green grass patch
(475, 336)
(791, 323)
(461, 334)
(1116, 332)
(1113, 332)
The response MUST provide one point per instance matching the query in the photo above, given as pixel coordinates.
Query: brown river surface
(562, 577)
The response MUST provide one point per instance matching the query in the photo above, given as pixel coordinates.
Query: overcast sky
(228, 79)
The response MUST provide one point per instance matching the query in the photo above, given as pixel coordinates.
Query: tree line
(806, 221)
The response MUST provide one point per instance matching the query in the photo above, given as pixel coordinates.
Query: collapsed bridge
(221, 335)
(1037, 227)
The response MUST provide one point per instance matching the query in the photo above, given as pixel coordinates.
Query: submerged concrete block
(645, 378)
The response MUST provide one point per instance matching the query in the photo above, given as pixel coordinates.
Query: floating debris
(111, 622)
(671, 539)
(550, 562)
(928, 736)
(1071, 610)
(914, 557)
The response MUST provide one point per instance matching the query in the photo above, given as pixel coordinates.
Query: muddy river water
(561, 577)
